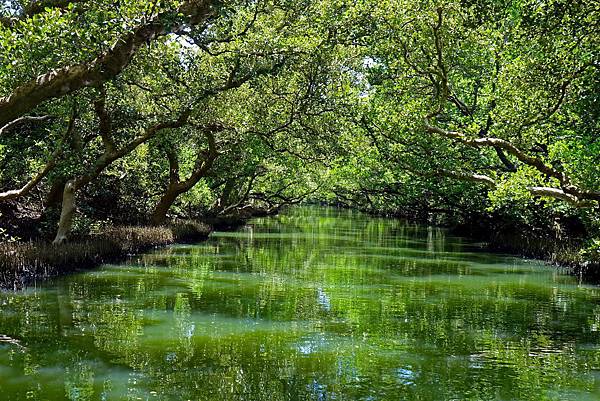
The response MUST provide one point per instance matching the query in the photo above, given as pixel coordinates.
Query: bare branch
(478, 178)
(19, 120)
(32, 183)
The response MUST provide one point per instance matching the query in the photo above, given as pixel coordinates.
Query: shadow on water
(314, 304)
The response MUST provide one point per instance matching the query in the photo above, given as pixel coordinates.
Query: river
(313, 304)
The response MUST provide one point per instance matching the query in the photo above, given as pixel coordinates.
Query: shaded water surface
(314, 304)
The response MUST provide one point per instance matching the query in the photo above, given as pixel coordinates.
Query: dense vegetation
(479, 114)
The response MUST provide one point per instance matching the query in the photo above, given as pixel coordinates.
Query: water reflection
(314, 304)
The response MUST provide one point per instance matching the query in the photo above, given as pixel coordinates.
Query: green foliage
(328, 101)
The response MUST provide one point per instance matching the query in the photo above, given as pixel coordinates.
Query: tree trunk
(224, 200)
(66, 215)
(159, 214)
(52, 203)
(177, 187)
(54, 197)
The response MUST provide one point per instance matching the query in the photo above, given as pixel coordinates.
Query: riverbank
(566, 244)
(24, 263)
(574, 254)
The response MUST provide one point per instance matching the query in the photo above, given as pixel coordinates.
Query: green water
(314, 304)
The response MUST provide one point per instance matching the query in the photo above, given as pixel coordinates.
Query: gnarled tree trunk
(176, 187)
(159, 214)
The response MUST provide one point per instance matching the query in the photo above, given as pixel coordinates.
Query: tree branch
(32, 183)
(65, 80)
(19, 120)
(105, 123)
(569, 192)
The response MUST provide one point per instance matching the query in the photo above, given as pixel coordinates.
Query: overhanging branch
(568, 191)
(65, 80)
